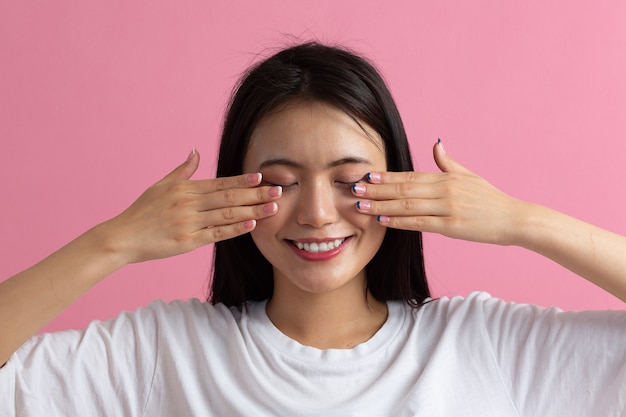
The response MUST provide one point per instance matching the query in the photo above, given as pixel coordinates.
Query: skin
(459, 204)
(174, 216)
(178, 214)
(316, 153)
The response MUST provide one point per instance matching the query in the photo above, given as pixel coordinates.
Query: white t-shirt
(474, 356)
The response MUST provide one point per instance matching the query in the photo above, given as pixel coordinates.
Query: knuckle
(178, 188)
(447, 189)
(179, 224)
(228, 213)
(401, 188)
(179, 204)
(220, 183)
(218, 233)
(407, 205)
(181, 239)
(411, 176)
(454, 176)
(419, 223)
(230, 195)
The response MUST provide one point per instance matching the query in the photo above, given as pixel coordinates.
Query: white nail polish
(193, 152)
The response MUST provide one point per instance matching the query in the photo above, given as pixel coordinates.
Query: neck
(338, 319)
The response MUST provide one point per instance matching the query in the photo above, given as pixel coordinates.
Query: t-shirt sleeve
(557, 363)
(103, 370)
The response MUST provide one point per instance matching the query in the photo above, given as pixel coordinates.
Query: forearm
(593, 253)
(35, 296)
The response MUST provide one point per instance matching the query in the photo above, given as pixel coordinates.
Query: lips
(318, 249)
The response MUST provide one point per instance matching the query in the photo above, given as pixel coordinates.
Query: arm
(462, 205)
(174, 216)
(593, 253)
(35, 296)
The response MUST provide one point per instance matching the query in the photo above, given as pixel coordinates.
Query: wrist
(527, 225)
(107, 239)
(538, 227)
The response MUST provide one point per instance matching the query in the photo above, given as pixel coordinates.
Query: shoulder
(459, 307)
(482, 303)
(480, 312)
(185, 313)
(157, 319)
(192, 307)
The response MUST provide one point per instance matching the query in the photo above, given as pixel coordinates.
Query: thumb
(185, 170)
(445, 162)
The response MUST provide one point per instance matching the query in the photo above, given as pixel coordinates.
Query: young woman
(319, 303)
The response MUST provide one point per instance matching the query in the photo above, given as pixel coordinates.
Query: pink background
(98, 100)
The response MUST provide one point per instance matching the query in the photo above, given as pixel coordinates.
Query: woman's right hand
(174, 216)
(177, 215)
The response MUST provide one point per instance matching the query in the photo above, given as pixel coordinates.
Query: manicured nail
(191, 154)
(249, 224)
(254, 178)
(270, 208)
(383, 219)
(275, 191)
(363, 205)
(358, 189)
(374, 177)
(440, 144)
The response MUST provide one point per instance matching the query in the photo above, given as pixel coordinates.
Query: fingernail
(358, 189)
(191, 154)
(269, 208)
(275, 191)
(383, 219)
(374, 177)
(440, 144)
(254, 178)
(363, 205)
(249, 224)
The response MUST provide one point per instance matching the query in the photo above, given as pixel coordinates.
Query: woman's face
(317, 242)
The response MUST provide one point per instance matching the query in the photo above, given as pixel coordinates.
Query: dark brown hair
(348, 82)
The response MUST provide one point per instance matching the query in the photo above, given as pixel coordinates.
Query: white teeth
(319, 247)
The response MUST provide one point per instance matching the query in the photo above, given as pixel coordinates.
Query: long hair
(348, 82)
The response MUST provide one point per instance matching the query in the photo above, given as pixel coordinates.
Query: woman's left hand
(460, 204)
(455, 202)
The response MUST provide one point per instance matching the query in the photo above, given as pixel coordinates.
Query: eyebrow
(333, 164)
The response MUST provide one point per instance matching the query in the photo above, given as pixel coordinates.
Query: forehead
(312, 133)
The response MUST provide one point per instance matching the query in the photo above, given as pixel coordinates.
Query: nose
(317, 206)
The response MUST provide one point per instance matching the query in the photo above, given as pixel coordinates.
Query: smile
(315, 247)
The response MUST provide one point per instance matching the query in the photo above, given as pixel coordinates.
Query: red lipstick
(318, 256)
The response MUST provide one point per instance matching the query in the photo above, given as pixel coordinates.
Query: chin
(323, 283)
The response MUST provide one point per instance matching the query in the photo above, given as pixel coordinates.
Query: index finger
(226, 183)
(388, 177)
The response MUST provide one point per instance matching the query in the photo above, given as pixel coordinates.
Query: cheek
(261, 236)
(373, 232)
(267, 228)
(376, 233)
(360, 220)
